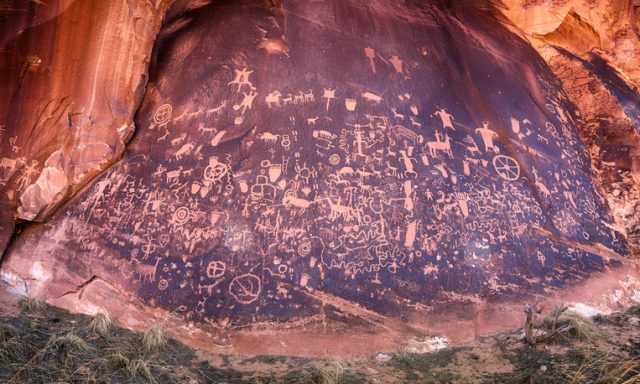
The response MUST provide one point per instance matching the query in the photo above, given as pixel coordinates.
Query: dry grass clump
(154, 338)
(405, 354)
(101, 323)
(625, 372)
(116, 358)
(578, 325)
(139, 368)
(327, 374)
(135, 368)
(597, 367)
(67, 344)
(32, 304)
(10, 343)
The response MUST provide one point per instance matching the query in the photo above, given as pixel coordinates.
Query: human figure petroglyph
(247, 101)
(241, 78)
(305, 172)
(286, 142)
(487, 137)
(370, 53)
(408, 163)
(28, 172)
(329, 93)
(446, 118)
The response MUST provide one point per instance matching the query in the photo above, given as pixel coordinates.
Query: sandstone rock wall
(73, 74)
(368, 172)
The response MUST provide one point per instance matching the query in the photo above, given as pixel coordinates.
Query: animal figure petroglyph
(371, 97)
(346, 171)
(174, 176)
(309, 96)
(184, 150)
(293, 201)
(396, 114)
(196, 113)
(180, 117)
(472, 147)
(268, 137)
(202, 129)
(178, 140)
(299, 98)
(438, 145)
(273, 99)
(287, 100)
(338, 210)
(163, 137)
(217, 109)
(408, 134)
(325, 135)
(538, 183)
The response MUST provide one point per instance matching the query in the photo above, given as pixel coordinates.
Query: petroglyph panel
(368, 168)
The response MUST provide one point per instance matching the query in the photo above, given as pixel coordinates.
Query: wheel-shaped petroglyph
(216, 269)
(215, 171)
(507, 167)
(245, 288)
(163, 114)
(181, 215)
